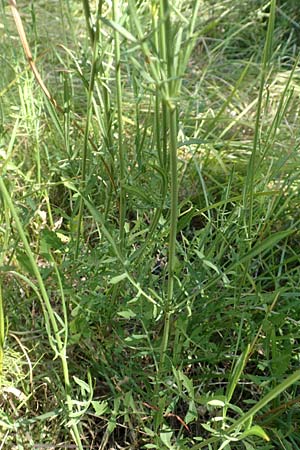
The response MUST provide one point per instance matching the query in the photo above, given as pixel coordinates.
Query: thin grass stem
(61, 348)
(121, 146)
(85, 150)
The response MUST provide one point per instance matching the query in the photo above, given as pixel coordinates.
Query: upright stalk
(166, 71)
(85, 151)
(104, 115)
(171, 113)
(88, 20)
(50, 315)
(122, 201)
(163, 42)
(250, 178)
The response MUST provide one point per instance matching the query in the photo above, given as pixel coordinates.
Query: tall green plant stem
(60, 345)
(122, 200)
(249, 189)
(88, 20)
(249, 186)
(167, 80)
(85, 151)
(171, 115)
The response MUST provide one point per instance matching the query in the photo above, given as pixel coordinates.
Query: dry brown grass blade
(28, 54)
(22, 35)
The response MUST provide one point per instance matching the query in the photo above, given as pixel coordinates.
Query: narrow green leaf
(192, 413)
(236, 373)
(100, 407)
(264, 245)
(118, 278)
(139, 193)
(136, 337)
(117, 27)
(191, 142)
(188, 384)
(99, 219)
(256, 430)
(165, 437)
(127, 314)
(216, 402)
(84, 386)
(54, 117)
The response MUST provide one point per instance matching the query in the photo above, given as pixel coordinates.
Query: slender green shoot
(60, 345)
(116, 5)
(249, 186)
(89, 111)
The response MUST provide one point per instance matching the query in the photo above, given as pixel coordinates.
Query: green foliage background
(149, 231)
